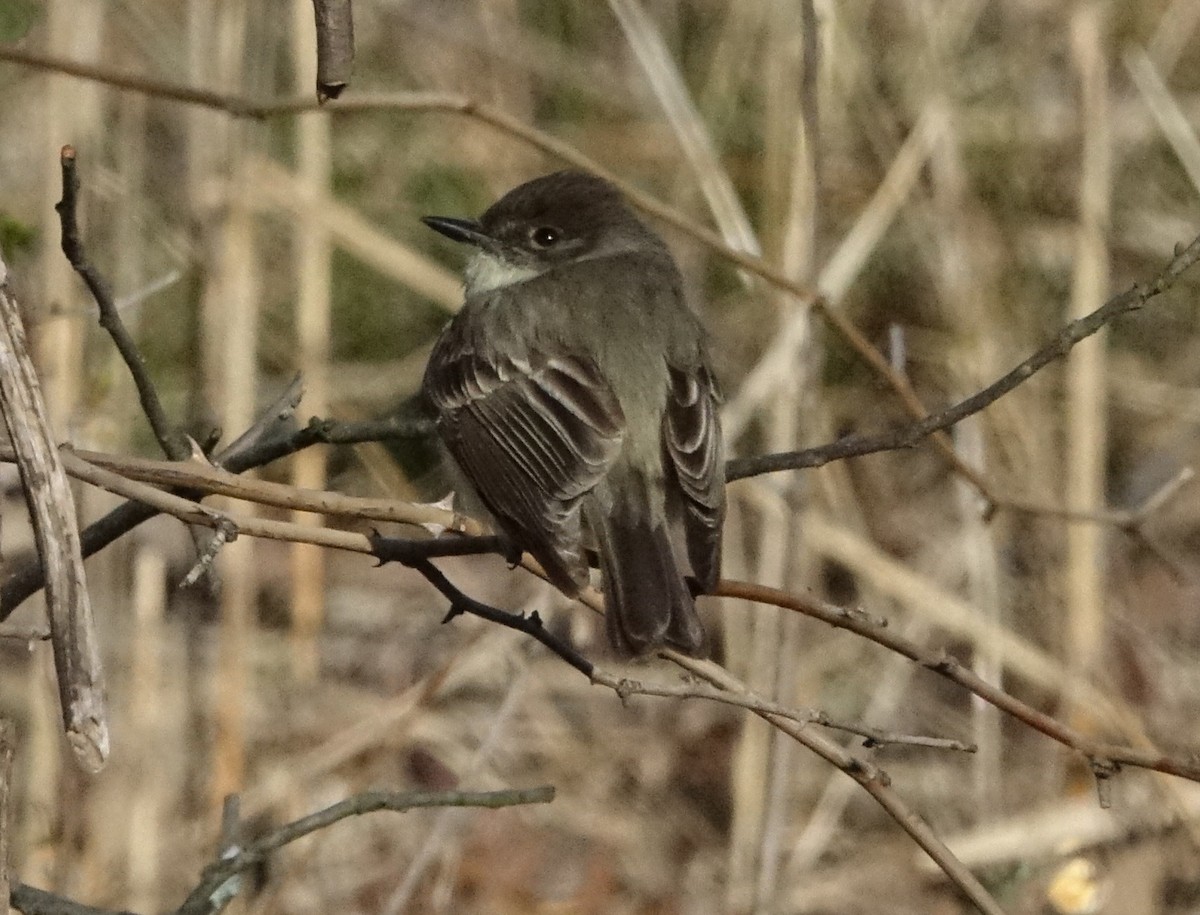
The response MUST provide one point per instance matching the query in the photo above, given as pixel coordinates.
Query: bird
(575, 393)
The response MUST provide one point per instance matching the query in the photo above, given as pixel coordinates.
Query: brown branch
(52, 513)
(208, 478)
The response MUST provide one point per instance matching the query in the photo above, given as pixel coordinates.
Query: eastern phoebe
(574, 386)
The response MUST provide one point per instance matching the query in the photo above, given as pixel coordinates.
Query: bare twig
(192, 512)
(199, 901)
(210, 895)
(207, 478)
(873, 737)
(172, 440)
(52, 512)
(531, 625)
(1096, 752)
(907, 436)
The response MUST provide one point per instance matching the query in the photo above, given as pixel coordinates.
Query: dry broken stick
(52, 514)
(335, 47)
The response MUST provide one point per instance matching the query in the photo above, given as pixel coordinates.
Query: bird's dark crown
(561, 216)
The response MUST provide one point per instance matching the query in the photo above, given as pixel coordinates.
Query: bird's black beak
(467, 231)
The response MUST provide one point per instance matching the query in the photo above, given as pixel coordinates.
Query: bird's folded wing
(533, 432)
(693, 442)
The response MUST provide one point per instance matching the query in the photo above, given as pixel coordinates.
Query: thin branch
(208, 478)
(199, 902)
(531, 625)
(909, 435)
(172, 440)
(873, 737)
(1096, 752)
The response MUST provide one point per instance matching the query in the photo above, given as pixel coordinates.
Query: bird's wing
(692, 437)
(533, 431)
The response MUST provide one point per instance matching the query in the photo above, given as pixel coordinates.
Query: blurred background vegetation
(959, 179)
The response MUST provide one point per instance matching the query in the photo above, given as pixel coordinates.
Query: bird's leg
(509, 549)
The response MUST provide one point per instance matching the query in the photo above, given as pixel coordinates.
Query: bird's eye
(544, 236)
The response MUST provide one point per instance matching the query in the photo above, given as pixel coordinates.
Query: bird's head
(537, 226)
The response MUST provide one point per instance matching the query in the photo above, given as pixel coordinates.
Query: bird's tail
(647, 602)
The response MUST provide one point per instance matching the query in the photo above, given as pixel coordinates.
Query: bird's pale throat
(486, 272)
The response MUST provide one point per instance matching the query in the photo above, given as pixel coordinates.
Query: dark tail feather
(647, 602)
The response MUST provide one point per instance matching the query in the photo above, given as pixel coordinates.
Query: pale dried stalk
(838, 273)
(312, 260)
(147, 685)
(1168, 115)
(238, 299)
(1086, 381)
(273, 187)
(793, 85)
(667, 82)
